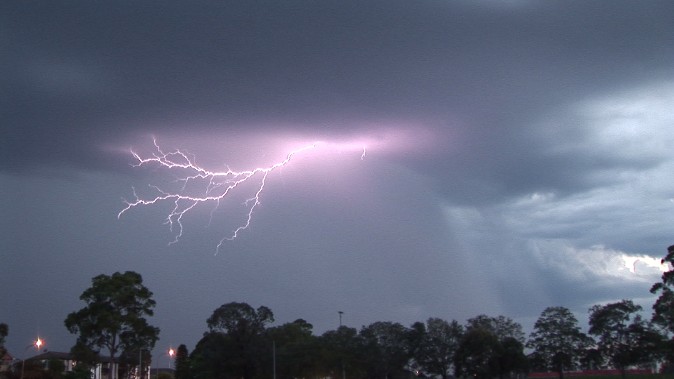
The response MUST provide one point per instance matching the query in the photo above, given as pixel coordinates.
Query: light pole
(342, 362)
(140, 363)
(37, 343)
(171, 353)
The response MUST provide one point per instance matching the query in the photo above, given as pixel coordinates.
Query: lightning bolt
(214, 186)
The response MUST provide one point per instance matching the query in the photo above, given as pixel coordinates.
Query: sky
(471, 157)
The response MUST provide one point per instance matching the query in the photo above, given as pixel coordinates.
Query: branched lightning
(215, 186)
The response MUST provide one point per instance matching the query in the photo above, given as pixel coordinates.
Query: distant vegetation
(630, 376)
(240, 342)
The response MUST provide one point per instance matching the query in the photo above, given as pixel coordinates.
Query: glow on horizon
(215, 186)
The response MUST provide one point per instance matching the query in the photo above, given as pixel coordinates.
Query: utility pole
(37, 344)
(342, 361)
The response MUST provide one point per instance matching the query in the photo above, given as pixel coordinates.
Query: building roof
(7, 357)
(47, 355)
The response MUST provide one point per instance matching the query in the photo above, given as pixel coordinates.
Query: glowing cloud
(632, 262)
(199, 185)
(598, 262)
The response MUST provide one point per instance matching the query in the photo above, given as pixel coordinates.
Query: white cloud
(596, 262)
(634, 123)
(638, 264)
(625, 140)
(602, 241)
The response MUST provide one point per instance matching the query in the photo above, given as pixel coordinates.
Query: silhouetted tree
(476, 355)
(212, 358)
(502, 327)
(342, 352)
(387, 351)
(624, 338)
(234, 345)
(113, 317)
(55, 369)
(439, 343)
(510, 357)
(591, 359)
(4, 331)
(491, 346)
(182, 363)
(663, 309)
(557, 339)
(294, 348)
(86, 359)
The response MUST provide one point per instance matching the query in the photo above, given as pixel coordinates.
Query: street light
(342, 362)
(37, 343)
(171, 353)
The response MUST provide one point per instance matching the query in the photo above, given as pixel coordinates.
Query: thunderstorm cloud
(493, 157)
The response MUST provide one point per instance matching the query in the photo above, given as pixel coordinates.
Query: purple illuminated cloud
(194, 184)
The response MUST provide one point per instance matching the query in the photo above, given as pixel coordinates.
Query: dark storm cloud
(83, 74)
(539, 142)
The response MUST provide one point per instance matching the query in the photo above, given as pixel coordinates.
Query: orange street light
(37, 344)
(171, 353)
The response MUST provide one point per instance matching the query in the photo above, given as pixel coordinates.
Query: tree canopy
(182, 363)
(440, 341)
(4, 331)
(663, 309)
(294, 350)
(114, 316)
(624, 337)
(557, 340)
(240, 343)
(491, 346)
(386, 349)
(234, 343)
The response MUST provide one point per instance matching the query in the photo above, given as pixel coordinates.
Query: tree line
(241, 343)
